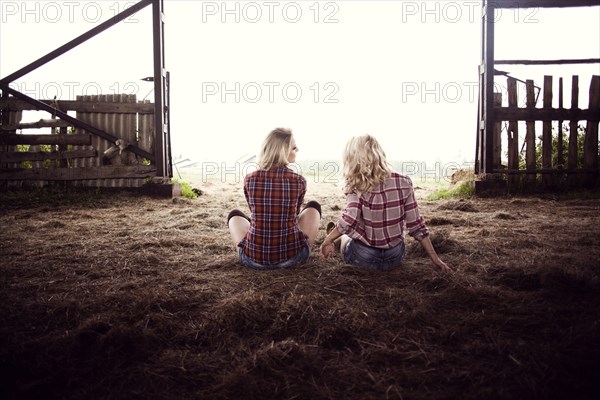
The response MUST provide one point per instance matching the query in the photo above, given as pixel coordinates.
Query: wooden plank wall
(87, 165)
(122, 125)
(522, 167)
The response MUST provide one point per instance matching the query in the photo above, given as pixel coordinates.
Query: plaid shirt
(274, 197)
(377, 218)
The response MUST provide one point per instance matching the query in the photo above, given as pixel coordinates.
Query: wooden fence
(74, 156)
(526, 168)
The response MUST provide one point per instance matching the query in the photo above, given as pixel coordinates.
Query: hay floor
(121, 296)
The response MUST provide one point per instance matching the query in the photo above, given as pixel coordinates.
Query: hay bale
(439, 221)
(441, 242)
(462, 175)
(503, 215)
(458, 205)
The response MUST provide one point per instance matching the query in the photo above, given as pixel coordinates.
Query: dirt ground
(120, 296)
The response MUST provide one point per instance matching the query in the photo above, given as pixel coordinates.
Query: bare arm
(327, 247)
(350, 216)
(428, 246)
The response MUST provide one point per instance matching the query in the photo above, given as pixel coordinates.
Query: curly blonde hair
(275, 149)
(365, 164)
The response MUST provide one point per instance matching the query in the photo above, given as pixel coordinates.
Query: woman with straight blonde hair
(278, 233)
(380, 203)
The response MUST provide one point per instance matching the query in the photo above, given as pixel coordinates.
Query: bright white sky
(403, 71)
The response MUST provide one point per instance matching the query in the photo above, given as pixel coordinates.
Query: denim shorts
(361, 255)
(300, 258)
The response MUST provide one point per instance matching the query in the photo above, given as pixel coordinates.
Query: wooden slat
(547, 129)
(21, 156)
(497, 134)
(42, 123)
(13, 118)
(560, 161)
(530, 135)
(146, 131)
(513, 127)
(14, 104)
(78, 123)
(590, 143)
(75, 139)
(77, 163)
(91, 173)
(539, 114)
(513, 134)
(546, 171)
(61, 148)
(572, 157)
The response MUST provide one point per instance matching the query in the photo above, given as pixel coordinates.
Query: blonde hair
(365, 164)
(276, 149)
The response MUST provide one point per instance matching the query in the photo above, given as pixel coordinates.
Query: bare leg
(309, 221)
(238, 227)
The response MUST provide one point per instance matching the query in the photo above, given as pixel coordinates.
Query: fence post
(530, 138)
(573, 134)
(590, 142)
(513, 136)
(497, 134)
(547, 133)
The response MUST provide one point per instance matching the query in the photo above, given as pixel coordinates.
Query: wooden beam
(590, 143)
(513, 127)
(21, 156)
(549, 62)
(74, 174)
(161, 138)
(78, 123)
(42, 123)
(77, 41)
(14, 104)
(75, 139)
(547, 130)
(488, 91)
(530, 135)
(546, 171)
(573, 134)
(540, 114)
(559, 144)
(498, 134)
(544, 3)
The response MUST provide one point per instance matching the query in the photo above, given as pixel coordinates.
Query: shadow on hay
(157, 306)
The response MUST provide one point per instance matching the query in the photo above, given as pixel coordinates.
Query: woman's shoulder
(276, 173)
(400, 180)
(252, 175)
(289, 172)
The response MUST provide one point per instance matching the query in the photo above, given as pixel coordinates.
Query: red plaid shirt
(377, 218)
(274, 197)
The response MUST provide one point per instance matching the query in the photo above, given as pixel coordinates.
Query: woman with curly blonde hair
(380, 205)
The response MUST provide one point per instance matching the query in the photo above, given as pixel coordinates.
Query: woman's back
(274, 196)
(377, 217)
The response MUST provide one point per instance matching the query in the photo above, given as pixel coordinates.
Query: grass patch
(461, 191)
(186, 189)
